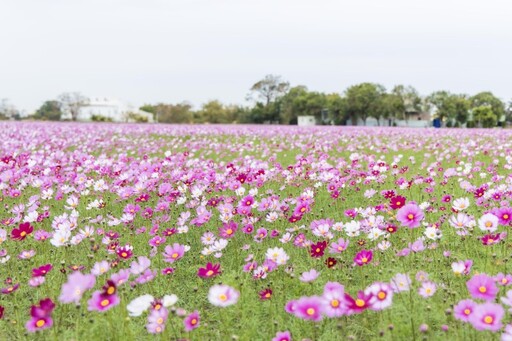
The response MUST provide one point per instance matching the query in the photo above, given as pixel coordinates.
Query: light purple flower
(75, 287)
(410, 215)
(309, 276)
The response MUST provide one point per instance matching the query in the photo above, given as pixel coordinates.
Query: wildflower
(397, 202)
(359, 304)
(223, 295)
(41, 316)
(191, 322)
(125, 252)
(100, 268)
(156, 320)
(488, 222)
(10, 289)
(317, 250)
(427, 289)
(22, 231)
(462, 267)
(333, 299)
(75, 287)
(482, 286)
(104, 300)
(338, 246)
(142, 303)
(410, 215)
(363, 257)
(282, 336)
(174, 252)
(503, 280)
(309, 276)
(401, 282)
(330, 262)
(381, 296)
(460, 204)
(309, 308)
(211, 270)
(265, 294)
(487, 316)
(139, 266)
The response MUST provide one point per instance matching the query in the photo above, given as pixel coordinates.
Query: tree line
(275, 101)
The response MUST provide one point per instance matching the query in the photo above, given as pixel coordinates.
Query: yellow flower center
(317, 249)
(482, 289)
(104, 303)
(175, 255)
(229, 231)
(209, 273)
(398, 203)
(364, 260)
(359, 303)
(193, 322)
(111, 290)
(310, 311)
(410, 216)
(467, 311)
(488, 224)
(160, 320)
(505, 216)
(267, 295)
(157, 306)
(335, 303)
(23, 234)
(488, 319)
(223, 297)
(124, 254)
(381, 295)
(40, 323)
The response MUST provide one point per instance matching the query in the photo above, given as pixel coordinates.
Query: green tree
(269, 89)
(409, 101)
(215, 112)
(151, 109)
(485, 116)
(363, 101)
(487, 98)
(174, 113)
(50, 110)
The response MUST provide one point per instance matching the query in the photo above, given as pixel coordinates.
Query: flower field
(130, 232)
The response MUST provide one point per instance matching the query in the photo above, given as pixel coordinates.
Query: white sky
(147, 51)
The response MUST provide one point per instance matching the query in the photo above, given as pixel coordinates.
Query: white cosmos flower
(488, 222)
(461, 204)
(142, 303)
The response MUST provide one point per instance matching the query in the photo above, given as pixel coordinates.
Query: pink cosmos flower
(339, 246)
(482, 286)
(309, 308)
(156, 320)
(410, 215)
(173, 253)
(211, 270)
(282, 336)
(221, 295)
(503, 280)
(487, 316)
(309, 276)
(381, 296)
(333, 299)
(41, 316)
(191, 322)
(427, 289)
(359, 304)
(75, 287)
(401, 282)
(463, 310)
(363, 257)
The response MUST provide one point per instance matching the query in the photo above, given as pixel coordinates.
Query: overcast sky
(146, 51)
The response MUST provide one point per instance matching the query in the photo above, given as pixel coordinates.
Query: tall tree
(269, 89)
(50, 110)
(485, 116)
(363, 101)
(7, 110)
(71, 102)
(409, 98)
(487, 98)
(174, 113)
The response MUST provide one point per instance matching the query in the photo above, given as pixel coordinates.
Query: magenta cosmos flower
(104, 300)
(41, 316)
(309, 308)
(482, 286)
(223, 295)
(191, 322)
(211, 270)
(487, 316)
(283, 336)
(410, 215)
(363, 257)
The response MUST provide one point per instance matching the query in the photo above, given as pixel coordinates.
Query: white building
(306, 121)
(111, 109)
